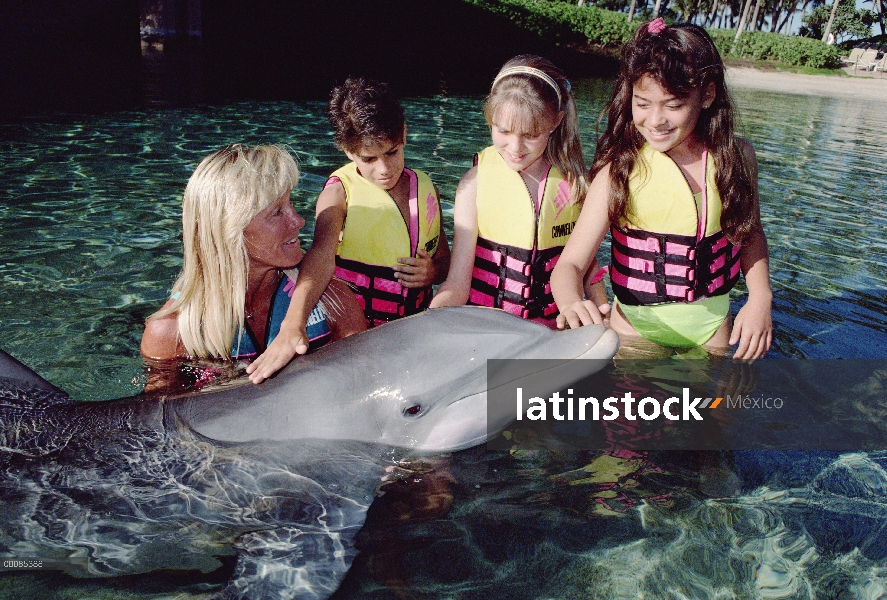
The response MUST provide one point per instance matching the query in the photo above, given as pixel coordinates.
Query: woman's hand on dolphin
(416, 272)
(289, 342)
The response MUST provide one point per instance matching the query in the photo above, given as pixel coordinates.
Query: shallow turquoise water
(90, 218)
(90, 229)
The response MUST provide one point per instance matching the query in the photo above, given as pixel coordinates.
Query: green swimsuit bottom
(678, 324)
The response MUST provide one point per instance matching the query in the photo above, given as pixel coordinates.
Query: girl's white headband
(536, 72)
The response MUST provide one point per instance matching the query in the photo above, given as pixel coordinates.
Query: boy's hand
(415, 272)
(289, 342)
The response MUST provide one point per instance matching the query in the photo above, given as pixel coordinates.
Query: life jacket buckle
(550, 264)
(690, 295)
(653, 245)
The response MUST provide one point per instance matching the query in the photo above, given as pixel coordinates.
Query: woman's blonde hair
(227, 189)
(532, 89)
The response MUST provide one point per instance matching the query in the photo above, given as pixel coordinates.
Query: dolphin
(276, 477)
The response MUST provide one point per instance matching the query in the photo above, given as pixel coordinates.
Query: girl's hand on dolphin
(289, 342)
(584, 312)
(416, 272)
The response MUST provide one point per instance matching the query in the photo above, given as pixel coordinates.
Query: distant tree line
(756, 29)
(741, 28)
(775, 16)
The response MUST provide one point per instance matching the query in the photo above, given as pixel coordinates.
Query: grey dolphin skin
(278, 475)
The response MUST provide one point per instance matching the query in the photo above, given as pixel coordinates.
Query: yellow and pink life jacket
(376, 235)
(520, 238)
(675, 250)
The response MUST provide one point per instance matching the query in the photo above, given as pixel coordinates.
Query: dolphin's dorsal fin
(11, 368)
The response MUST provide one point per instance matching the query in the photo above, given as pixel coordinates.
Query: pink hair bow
(657, 25)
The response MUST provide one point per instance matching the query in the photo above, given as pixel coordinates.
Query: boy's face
(381, 163)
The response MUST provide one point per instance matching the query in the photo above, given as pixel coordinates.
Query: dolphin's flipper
(10, 368)
(24, 399)
(290, 562)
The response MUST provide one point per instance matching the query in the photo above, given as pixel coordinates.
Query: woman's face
(272, 237)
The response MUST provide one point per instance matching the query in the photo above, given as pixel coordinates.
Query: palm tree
(745, 8)
(753, 24)
(878, 9)
(709, 19)
(831, 20)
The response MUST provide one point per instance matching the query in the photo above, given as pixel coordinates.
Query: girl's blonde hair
(532, 96)
(228, 188)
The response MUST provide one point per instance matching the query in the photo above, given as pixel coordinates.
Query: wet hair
(680, 58)
(530, 100)
(227, 189)
(364, 112)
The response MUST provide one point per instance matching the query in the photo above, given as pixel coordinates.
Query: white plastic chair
(854, 56)
(868, 59)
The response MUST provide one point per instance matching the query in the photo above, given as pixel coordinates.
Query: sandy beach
(867, 88)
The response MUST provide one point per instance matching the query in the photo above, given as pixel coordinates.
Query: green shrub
(566, 22)
(792, 50)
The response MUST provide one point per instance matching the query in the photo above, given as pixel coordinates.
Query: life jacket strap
(379, 293)
(514, 279)
(653, 268)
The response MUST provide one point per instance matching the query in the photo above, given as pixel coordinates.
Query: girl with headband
(515, 209)
(679, 195)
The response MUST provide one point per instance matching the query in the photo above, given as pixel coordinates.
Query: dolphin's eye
(413, 410)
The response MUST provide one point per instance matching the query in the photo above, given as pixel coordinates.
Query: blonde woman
(240, 236)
